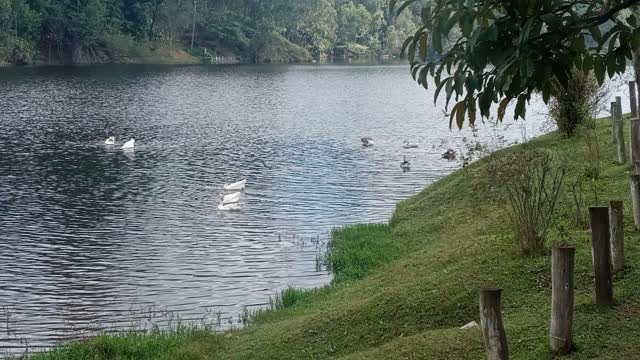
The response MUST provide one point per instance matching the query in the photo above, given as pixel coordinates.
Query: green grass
(402, 290)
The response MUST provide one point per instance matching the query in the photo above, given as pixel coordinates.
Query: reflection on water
(93, 237)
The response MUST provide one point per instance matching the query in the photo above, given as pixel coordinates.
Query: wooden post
(601, 255)
(562, 265)
(622, 155)
(634, 144)
(633, 99)
(495, 339)
(616, 229)
(619, 132)
(613, 122)
(619, 107)
(634, 181)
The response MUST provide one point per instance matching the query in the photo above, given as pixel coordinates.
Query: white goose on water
(110, 141)
(129, 144)
(409, 145)
(228, 207)
(367, 141)
(236, 186)
(230, 198)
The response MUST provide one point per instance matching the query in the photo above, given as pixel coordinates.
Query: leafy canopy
(497, 51)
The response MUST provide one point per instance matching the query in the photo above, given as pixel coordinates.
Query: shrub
(531, 182)
(577, 104)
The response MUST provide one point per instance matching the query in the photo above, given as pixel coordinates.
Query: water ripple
(93, 238)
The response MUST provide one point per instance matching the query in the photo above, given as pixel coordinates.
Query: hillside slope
(402, 290)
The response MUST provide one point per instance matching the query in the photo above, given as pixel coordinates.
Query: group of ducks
(230, 199)
(227, 201)
(129, 145)
(405, 165)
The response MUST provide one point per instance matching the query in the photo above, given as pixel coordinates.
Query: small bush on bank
(577, 104)
(531, 183)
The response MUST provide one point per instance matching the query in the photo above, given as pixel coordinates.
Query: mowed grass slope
(402, 290)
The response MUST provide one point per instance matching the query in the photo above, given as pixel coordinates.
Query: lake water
(93, 238)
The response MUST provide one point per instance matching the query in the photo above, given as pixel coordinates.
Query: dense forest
(96, 31)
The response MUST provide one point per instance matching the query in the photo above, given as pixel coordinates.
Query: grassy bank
(403, 289)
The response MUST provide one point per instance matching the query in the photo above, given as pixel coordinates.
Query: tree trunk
(613, 122)
(562, 265)
(616, 229)
(495, 339)
(601, 251)
(634, 182)
(193, 26)
(633, 99)
(636, 58)
(634, 144)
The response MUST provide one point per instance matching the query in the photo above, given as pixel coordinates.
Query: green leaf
(502, 108)
(546, 91)
(578, 43)
(437, 40)
(612, 65)
(551, 19)
(405, 45)
(524, 37)
(423, 78)
(459, 85)
(467, 24)
(449, 89)
(392, 5)
(587, 63)
(596, 33)
(423, 47)
(439, 87)
(411, 53)
(414, 71)
(492, 33)
(406, 4)
(521, 107)
(458, 112)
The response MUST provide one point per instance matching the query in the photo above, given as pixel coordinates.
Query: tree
(510, 49)
(354, 22)
(313, 25)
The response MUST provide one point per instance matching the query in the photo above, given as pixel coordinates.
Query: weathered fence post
(634, 182)
(633, 99)
(562, 265)
(622, 156)
(613, 121)
(616, 230)
(495, 339)
(619, 131)
(601, 255)
(619, 107)
(634, 143)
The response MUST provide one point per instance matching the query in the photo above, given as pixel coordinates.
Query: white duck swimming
(129, 144)
(228, 207)
(110, 141)
(408, 145)
(367, 141)
(236, 186)
(230, 198)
